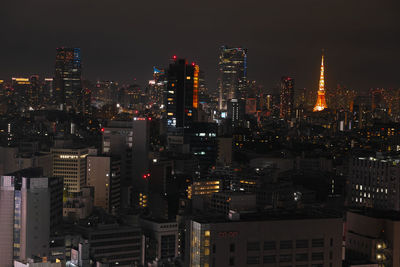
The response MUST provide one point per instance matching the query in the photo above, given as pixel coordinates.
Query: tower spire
(321, 103)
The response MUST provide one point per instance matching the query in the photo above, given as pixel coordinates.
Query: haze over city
(122, 40)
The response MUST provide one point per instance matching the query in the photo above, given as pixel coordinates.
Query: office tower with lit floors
(287, 98)
(67, 79)
(321, 102)
(70, 163)
(232, 80)
(182, 93)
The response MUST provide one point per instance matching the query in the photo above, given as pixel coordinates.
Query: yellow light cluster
(68, 157)
(247, 182)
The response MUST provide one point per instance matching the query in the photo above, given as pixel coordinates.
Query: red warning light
(174, 57)
(102, 129)
(193, 64)
(149, 119)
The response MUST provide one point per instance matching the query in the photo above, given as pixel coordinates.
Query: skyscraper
(287, 97)
(182, 93)
(232, 74)
(67, 79)
(30, 205)
(321, 103)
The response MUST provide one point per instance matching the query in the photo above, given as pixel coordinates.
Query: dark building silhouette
(182, 93)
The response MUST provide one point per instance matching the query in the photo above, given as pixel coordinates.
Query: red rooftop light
(174, 57)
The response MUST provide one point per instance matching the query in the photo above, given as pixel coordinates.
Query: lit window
(207, 233)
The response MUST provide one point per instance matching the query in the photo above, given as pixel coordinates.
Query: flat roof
(275, 215)
(378, 214)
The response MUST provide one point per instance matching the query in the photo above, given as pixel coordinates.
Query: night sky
(123, 39)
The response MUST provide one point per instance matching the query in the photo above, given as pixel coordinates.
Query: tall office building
(117, 140)
(34, 93)
(48, 91)
(70, 163)
(287, 98)
(182, 93)
(67, 79)
(232, 75)
(20, 88)
(157, 87)
(236, 111)
(25, 217)
(321, 102)
(140, 164)
(103, 173)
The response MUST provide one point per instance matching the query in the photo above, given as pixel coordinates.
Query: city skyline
(282, 39)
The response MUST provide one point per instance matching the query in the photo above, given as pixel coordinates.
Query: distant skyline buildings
(232, 81)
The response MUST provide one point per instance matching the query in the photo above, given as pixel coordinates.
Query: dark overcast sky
(123, 39)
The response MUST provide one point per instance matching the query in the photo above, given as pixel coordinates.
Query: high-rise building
(117, 140)
(67, 79)
(34, 93)
(203, 142)
(287, 98)
(182, 93)
(70, 163)
(103, 173)
(236, 111)
(48, 91)
(321, 102)
(157, 87)
(21, 87)
(232, 74)
(140, 164)
(29, 207)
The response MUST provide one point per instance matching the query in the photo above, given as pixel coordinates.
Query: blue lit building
(67, 79)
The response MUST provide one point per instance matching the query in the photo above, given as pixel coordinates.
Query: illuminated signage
(228, 234)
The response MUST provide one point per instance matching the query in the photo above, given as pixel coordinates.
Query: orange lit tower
(321, 103)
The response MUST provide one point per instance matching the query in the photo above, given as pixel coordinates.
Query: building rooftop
(378, 214)
(28, 173)
(276, 215)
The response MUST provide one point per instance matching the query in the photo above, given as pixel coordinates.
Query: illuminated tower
(321, 103)
(232, 75)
